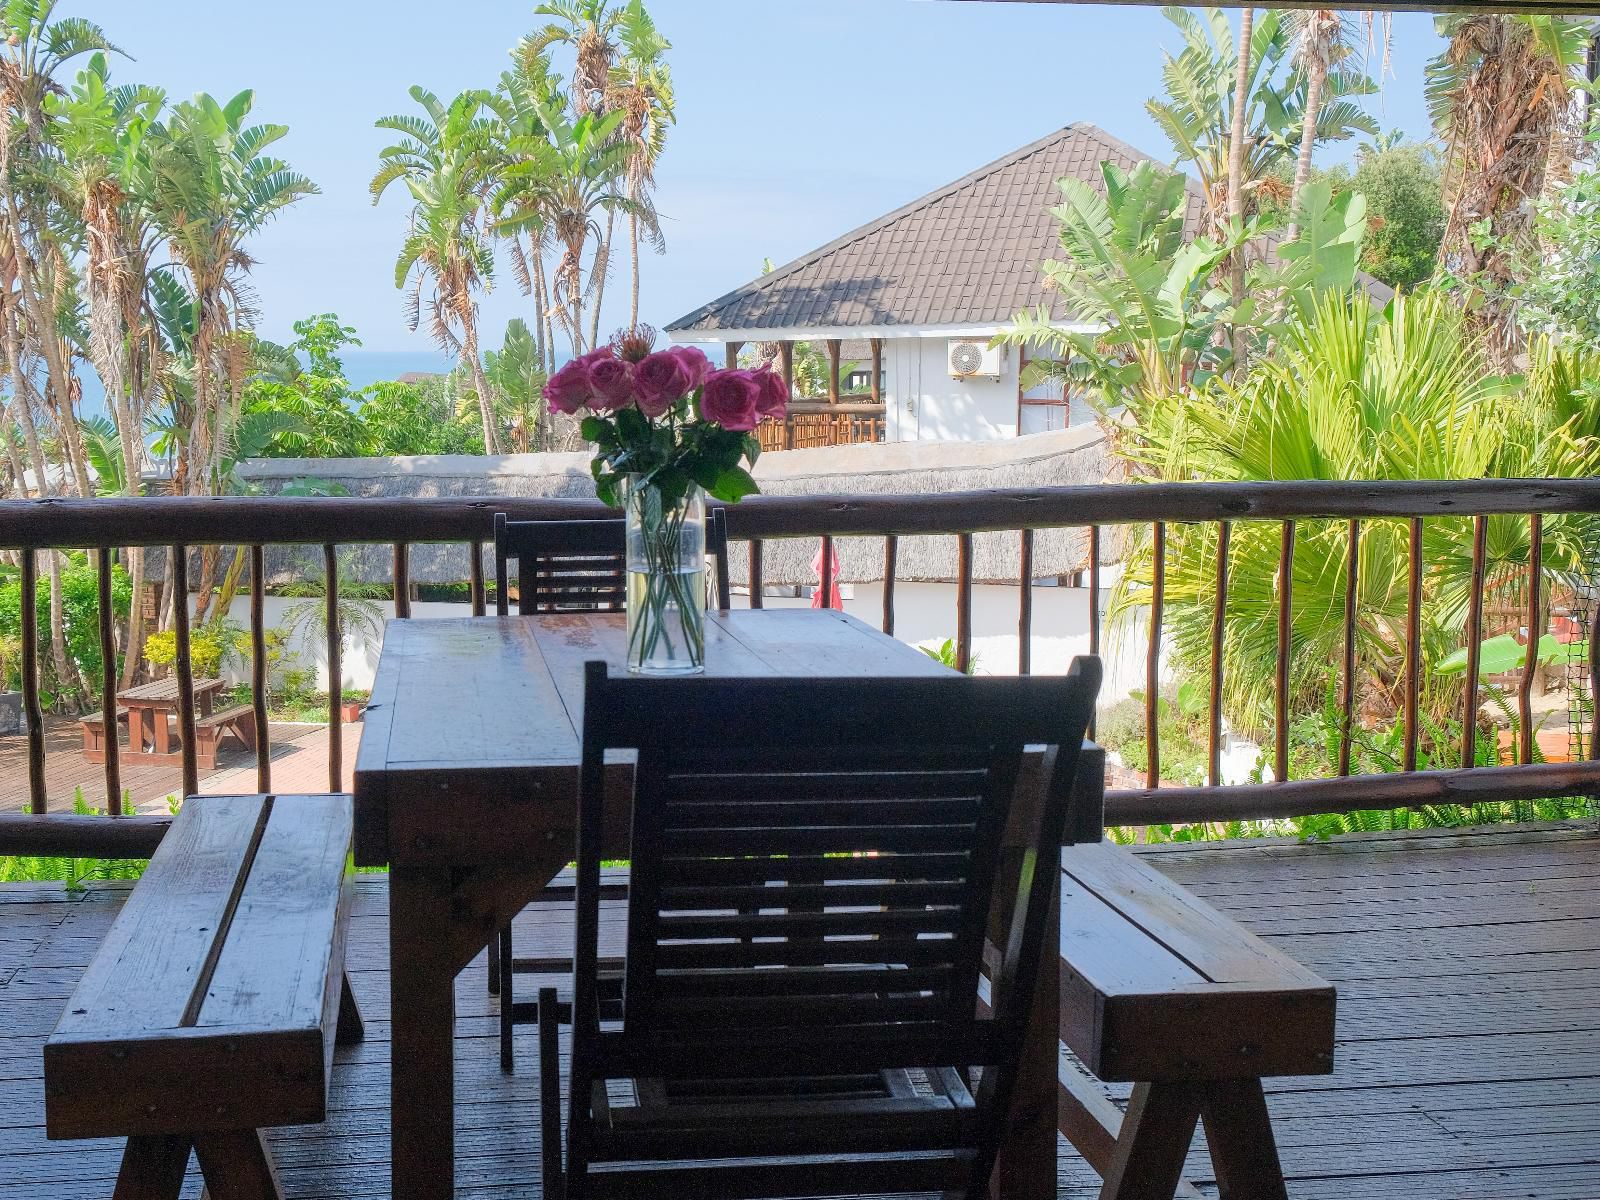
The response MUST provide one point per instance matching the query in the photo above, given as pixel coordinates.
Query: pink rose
(570, 388)
(696, 366)
(729, 398)
(773, 401)
(659, 382)
(613, 383)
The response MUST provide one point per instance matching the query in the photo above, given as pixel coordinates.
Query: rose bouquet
(666, 427)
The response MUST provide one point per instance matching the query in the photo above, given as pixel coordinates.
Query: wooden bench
(94, 735)
(1161, 990)
(240, 720)
(212, 1008)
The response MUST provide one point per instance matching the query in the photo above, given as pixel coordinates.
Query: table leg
(422, 1015)
(136, 730)
(163, 730)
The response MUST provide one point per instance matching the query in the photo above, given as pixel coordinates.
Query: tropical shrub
(80, 604)
(212, 646)
(1353, 393)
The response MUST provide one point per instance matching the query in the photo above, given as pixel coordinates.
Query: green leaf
(597, 430)
(735, 483)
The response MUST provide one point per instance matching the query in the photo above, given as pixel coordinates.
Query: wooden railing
(814, 423)
(180, 524)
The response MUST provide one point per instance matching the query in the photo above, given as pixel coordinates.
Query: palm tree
(1499, 95)
(561, 183)
(210, 188)
(587, 26)
(446, 160)
(1231, 110)
(641, 89)
(97, 133)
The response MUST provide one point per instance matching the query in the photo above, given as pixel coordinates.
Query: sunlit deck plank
(1469, 1059)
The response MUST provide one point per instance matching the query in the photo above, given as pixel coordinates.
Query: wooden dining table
(466, 787)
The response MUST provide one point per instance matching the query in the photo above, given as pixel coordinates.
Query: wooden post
(877, 370)
(786, 354)
(730, 353)
(833, 370)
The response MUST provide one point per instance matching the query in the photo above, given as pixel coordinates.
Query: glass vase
(666, 565)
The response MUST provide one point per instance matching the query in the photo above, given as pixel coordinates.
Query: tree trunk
(1316, 80)
(1236, 135)
(133, 645)
(480, 383)
(536, 271)
(633, 248)
(598, 274)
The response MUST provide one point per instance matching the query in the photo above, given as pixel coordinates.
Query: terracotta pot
(350, 711)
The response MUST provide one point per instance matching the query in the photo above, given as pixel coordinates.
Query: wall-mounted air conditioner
(970, 357)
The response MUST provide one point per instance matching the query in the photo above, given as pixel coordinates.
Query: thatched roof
(1075, 456)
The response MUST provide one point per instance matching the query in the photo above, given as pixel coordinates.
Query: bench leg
(237, 1166)
(350, 1027)
(1239, 1133)
(153, 1167)
(1155, 1138)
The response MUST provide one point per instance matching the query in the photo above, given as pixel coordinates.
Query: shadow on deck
(1468, 968)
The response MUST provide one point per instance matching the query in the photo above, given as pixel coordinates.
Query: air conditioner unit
(969, 358)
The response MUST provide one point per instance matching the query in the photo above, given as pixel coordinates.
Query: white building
(924, 288)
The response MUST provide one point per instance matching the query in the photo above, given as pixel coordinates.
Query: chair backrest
(580, 566)
(813, 866)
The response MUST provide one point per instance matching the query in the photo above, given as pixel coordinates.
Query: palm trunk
(1316, 80)
(480, 383)
(598, 274)
(539, 316)
(1236, 135)
(633, 249)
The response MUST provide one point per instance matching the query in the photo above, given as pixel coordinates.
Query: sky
(798, 120)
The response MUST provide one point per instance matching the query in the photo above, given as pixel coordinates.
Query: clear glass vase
(666, 564)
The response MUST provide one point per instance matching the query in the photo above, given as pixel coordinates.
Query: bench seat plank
(214, 1005)
(1156, 985)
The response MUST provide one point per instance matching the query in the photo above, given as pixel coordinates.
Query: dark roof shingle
(968, 253)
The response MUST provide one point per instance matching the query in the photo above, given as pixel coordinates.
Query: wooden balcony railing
(182, 523)
(814, 423)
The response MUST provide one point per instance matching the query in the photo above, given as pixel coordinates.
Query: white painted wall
(923, 403)
(924, 614)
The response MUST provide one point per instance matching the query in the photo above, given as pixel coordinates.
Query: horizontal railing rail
(180, 524)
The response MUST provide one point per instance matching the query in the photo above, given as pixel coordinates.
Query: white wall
(925, 613)
(923, 403)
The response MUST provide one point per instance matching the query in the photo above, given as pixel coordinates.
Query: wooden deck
(299, 764)
(1468, 968)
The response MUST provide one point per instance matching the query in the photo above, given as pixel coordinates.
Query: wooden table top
(490, 706)
(165, 691)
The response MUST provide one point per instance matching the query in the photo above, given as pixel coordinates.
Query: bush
(80, 611)
(211, 647)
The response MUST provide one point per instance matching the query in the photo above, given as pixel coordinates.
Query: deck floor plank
(1469, 1028)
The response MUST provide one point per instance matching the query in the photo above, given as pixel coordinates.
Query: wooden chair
(578, 566)
(813, 868)
(567, 566)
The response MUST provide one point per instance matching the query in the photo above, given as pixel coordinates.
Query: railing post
(330, 575)
(258, 666)
(108, 683)
(183, 668)
(32, 709)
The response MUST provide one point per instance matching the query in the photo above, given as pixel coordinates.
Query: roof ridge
(928, 199)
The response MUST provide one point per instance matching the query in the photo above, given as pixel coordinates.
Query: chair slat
(802, 868)
(794, 925)
(841, 839)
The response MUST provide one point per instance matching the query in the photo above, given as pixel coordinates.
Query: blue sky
(797, 119)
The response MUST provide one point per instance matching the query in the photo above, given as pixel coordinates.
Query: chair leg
(1239, 1134)
(237, 1166)
(153, 1167)
(550, 1094)
(494, 964)
(1155, 1138)
(508, 1002)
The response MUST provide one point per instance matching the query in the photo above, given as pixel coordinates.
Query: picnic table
(466, 787)
(152, 708)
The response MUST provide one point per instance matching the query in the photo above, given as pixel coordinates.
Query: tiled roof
(968, 253)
